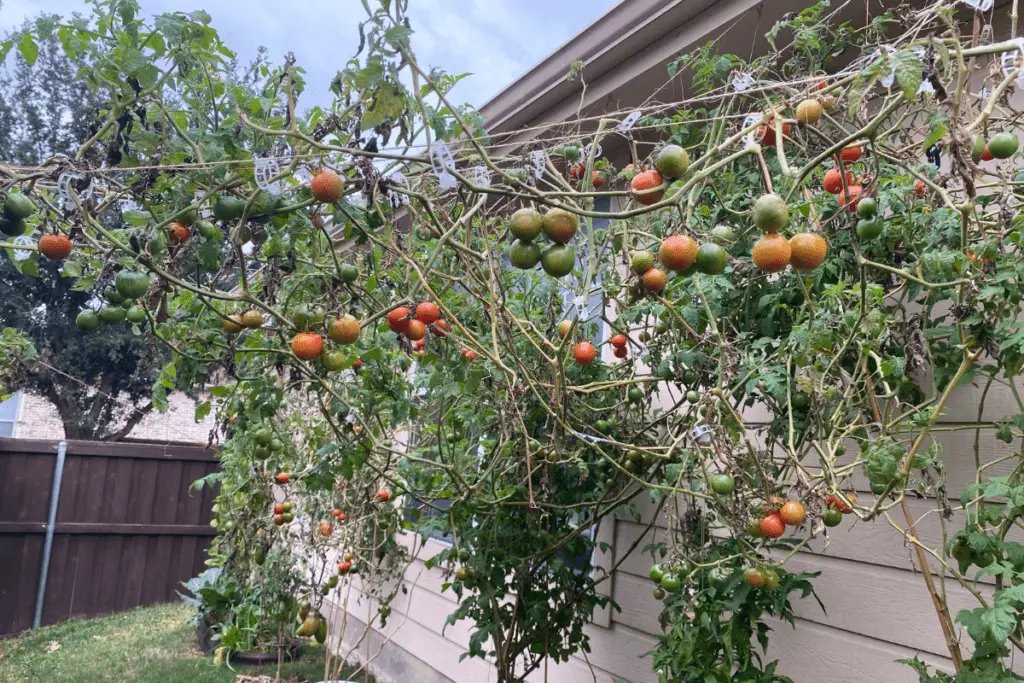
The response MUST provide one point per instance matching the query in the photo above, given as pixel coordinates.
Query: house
(29, 416)
(879, 610)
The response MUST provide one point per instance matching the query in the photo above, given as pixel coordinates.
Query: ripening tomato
(772, 526)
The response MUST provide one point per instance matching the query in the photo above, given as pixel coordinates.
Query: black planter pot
(204, 635)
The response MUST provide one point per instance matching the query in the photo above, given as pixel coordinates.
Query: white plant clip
(592, 438)
(750, 139)
(442, 161)
(265, 171)
(538, 161)
(22, 240)
(580, 302)
(630, 121)
(702, 434)
(1010, 60)
(64, 188)
(480, 176)
(741, 80)
(982, 5)
(888, 80)
(586, 151)
(399, 198)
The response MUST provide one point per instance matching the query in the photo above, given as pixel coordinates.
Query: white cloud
(496, 40)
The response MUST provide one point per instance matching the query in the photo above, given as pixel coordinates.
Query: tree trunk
(74, 430)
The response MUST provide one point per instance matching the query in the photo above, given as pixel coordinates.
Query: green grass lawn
(146, 645)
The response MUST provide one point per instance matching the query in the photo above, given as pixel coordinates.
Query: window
(432, 517)
(9, 411)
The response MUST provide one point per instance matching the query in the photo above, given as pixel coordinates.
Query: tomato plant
(387, 345)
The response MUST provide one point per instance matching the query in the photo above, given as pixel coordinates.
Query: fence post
(51, 522)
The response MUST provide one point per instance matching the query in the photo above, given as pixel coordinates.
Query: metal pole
(51, 522)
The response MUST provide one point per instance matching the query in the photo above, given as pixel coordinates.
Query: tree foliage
(99, 384)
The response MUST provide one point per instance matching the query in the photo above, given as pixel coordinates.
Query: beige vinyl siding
(417, 625)
(878, 609)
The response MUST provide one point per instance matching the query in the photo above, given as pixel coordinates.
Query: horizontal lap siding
(128, 530)
(420, 612)
(878, 609)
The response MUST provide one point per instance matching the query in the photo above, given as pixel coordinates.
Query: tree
(97, 383)
(808, 259)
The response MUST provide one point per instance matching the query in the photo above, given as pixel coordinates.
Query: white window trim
(19, 407)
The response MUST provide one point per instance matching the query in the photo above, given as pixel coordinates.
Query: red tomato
(772, 526)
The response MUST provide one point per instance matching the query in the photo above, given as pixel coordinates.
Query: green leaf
(28, 48)
(908, 68)
(938, 127)
(5, 49)
(219, 391)
(1004, 433)
(147, 75)
(990, 627)
(398, 36)
(880, 467)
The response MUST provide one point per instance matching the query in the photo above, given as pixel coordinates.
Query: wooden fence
(127, 532)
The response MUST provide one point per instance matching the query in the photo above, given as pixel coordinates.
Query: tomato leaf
(908, 67)
(28, 48)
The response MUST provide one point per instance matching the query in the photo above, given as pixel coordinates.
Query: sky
(497, 40)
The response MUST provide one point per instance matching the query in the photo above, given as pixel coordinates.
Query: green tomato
(112, 314)
(158, 244)
(867, 207)
(831, 517)
(718, 577)
(671, 583)
(723, 484)
(982, 560)
(348, 273)
(88, 320)
(135, 314)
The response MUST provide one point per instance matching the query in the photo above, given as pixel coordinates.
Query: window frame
(19, 403)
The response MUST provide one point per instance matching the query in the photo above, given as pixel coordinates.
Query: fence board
(128, 529)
